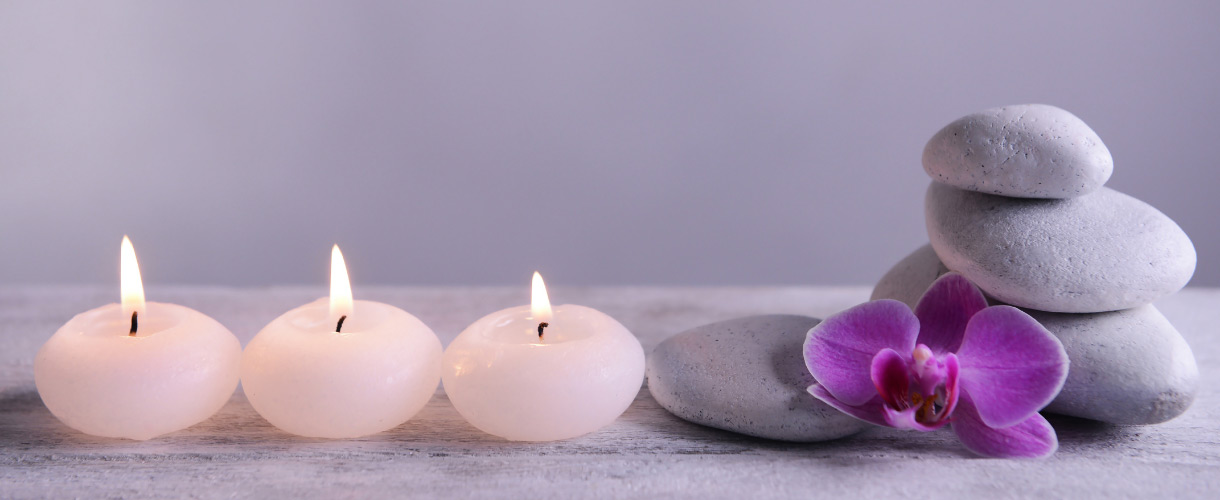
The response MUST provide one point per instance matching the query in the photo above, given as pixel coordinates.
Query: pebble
(910, 277)
(1100, 252)
(745, 375)
(1127, 367)
(1026, 151)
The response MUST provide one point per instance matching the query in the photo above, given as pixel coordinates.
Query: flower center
(922, 387)
(927, 408)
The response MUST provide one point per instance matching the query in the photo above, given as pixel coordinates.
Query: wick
(540, 327)
(132, 333)
(340, 325)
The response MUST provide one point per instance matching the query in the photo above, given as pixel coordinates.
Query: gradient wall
(601, 143)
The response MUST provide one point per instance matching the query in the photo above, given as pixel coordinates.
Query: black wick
(132, 333)
(541, 326)
(340, 325)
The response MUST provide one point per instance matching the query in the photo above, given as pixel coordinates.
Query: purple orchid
(954, 360)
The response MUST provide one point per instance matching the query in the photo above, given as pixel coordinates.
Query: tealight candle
(341, 368)
(533, 373)
(138, 369)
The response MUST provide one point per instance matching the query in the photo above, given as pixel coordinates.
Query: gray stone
(910, 277)
(1128, 367)
(1026, 151)
(1101, 252)
(745, 375)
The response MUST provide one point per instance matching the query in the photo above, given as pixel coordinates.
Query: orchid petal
(892, 378)
(1031, 438)
(872, 411)
(1010, 365)
(945, 309)
(839, 351)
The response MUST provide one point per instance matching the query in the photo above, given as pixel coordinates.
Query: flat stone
(1101, 252)
(910, 277)
(1127, 367)
(745, 375)
(1026, 151)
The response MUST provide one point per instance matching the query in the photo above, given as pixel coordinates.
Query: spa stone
(745, 375)
(1100, 252)
(1127, 367)
(1026, 151)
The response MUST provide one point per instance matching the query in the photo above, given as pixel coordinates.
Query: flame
(131, 287)
(540, 304)
(340, 286)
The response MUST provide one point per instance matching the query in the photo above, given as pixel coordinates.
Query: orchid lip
(919, 391)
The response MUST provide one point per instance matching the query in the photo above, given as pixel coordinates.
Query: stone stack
(1019, 208)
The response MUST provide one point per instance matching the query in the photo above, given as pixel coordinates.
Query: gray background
(601, 143)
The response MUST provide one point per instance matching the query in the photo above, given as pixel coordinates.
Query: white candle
(339, 368)
(137, 370)
(531, 373)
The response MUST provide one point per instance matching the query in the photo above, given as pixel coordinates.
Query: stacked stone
(1018, 207)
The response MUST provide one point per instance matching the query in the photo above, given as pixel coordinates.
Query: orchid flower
(985, 371)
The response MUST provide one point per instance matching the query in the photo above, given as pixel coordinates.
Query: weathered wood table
(646, 453)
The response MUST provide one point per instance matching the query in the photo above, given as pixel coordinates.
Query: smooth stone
(910, 277)
(1101, 252)
(745, 375)
(1026, 151)
(1127, 367)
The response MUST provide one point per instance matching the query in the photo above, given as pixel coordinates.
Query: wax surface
(375, 374)
(178, 370)
(581, 376)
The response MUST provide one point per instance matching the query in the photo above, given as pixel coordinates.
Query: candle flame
(540, 304)
(340, 286)
(131, 287)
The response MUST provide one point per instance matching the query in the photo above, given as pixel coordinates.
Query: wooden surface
(646, 453)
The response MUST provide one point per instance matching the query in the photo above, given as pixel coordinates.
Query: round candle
(341, 368)
(137, 370)
(533, 373)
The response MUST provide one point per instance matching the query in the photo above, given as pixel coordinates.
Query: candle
(341, 368)
(533, 373)
(137, 369)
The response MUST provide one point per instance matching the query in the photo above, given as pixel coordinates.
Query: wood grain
(646, 453)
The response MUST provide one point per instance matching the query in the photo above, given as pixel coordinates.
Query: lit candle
(533, 373)
(341, 368)
(137, 370)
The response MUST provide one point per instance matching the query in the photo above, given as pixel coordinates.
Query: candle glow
(340, 286)
(540, 303)
(542, 373)
(131, 287)
(322, 371)
(137, 369)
